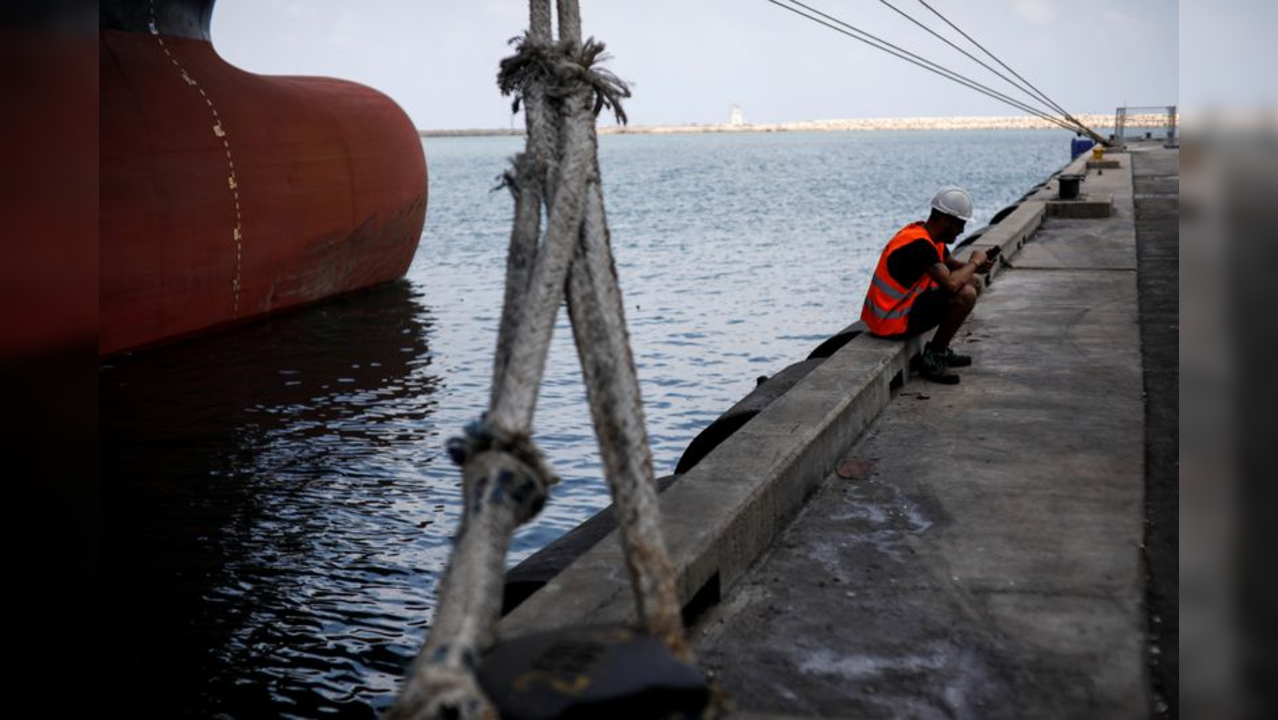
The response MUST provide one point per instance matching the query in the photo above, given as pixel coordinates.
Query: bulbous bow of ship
(226, 195)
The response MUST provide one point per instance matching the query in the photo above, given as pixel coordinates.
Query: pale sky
(690, 61)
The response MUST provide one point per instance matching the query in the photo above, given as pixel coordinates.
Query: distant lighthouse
(736, 119)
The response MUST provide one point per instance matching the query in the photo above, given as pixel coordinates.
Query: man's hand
(953, 274)
(991, 256)
(983, 262)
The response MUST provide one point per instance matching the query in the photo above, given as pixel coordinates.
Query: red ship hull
(226, 195)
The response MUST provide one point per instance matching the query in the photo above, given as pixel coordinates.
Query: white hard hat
(954, 201)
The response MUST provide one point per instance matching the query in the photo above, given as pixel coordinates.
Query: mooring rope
(506, 480)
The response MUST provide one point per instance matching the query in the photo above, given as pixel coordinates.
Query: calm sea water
(278, 507)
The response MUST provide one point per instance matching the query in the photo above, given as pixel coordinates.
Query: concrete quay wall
(979, 552)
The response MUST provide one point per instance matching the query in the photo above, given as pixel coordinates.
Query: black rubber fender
(738, 415)
(1001, 214)
(838, 340)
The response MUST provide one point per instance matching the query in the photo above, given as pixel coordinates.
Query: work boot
(932, 366)
(949, 357)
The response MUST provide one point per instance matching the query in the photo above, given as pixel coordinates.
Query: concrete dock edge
(979, 552)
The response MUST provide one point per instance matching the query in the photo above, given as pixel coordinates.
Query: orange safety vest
(887, 304)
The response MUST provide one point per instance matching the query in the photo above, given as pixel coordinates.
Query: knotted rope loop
(506, 478)
(537, 476)
(563, 69)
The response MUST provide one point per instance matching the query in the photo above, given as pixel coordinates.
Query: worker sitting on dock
(918, 285)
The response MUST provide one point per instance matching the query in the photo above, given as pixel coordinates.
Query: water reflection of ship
(226, 462)
(227, 195)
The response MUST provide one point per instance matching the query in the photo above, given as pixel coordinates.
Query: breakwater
(1009, 122)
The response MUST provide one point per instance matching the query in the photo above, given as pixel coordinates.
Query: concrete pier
(872, 545)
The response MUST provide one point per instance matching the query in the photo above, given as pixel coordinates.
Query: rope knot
(562, 69)
(481, 436)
